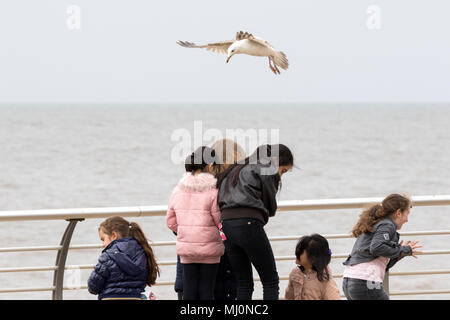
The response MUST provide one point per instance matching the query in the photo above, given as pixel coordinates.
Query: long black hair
(262, 155)
(318, 252)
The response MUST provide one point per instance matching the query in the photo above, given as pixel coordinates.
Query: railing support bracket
(61, 257)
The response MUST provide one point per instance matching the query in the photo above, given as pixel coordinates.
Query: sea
(76, 156)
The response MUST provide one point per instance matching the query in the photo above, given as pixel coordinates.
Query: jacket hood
(199, 182)
(128, 254)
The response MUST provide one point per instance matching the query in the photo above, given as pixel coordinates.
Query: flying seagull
(246, 43)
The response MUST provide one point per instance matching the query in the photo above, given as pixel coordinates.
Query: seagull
(245, 43)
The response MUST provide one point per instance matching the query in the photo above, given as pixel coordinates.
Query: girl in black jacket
(247, 199)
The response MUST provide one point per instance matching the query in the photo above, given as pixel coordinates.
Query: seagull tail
(281, 60)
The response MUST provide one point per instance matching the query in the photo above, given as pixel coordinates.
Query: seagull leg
(270, 66)
(276, 68)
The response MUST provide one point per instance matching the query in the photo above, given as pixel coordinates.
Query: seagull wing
(262, 42)
(217, 47)
(241, 35)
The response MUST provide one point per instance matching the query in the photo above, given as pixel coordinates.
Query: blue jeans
(247, 244)
(357, 289)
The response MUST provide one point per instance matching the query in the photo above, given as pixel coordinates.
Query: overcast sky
(126, 51)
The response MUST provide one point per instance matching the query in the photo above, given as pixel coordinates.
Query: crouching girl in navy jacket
(127, 263)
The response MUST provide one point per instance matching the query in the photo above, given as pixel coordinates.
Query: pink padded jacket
(194, 215)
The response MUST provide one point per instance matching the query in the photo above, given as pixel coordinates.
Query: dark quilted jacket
(121, 271)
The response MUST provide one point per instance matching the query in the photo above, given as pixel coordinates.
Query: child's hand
(413, 245)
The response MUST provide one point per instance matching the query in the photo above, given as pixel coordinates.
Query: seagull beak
(228, 59)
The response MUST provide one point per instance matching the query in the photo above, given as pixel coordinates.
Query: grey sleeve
(383, 246)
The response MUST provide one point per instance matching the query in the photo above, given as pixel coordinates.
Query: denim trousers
(357, 289)
(247, 244)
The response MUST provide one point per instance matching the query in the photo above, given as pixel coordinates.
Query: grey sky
(125, 52)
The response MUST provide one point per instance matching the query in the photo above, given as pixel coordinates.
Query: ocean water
(71, 156)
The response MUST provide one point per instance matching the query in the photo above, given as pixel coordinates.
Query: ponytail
(132, 229)
(137, 233)
(368, 219)
(377, 212)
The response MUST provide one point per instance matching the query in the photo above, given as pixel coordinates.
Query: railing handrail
(160, 210)
(173, 242)
(75, 215)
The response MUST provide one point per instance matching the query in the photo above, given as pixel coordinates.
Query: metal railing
(73, 216)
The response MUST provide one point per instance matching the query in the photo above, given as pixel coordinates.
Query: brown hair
(126, 229)
(376, 212)
(227, 152)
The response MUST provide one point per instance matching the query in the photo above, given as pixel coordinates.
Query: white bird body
(246, 43)
(251, 48)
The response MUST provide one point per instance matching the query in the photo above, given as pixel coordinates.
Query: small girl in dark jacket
(127, 263)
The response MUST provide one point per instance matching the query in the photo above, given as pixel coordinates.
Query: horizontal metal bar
(24, 249)
(45, 268)
(29, 289)
(418, 292)
(409, 273)
(355, 203)
(172, 243)
(165, 283)
(342, 255)
(160, 210)
(82, 213)
(34, 289)
(73, 247)
(28, 269)
(173, 262)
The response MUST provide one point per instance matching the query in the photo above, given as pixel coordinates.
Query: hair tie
(129, 225)
(329, 252)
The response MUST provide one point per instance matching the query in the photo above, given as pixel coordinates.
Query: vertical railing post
(61, 257)
(386, 282)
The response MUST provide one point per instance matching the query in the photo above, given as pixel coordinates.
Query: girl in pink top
(311, 279)
(193, 214)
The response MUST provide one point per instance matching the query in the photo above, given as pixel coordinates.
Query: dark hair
(318, 253)
(262, 155)
(199, 159)
(126, 229)
(376, 212)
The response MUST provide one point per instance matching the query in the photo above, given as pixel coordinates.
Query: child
(247, 199)
(194, 215)
(127, 263)
(377, 248)
(227, 152)
(312, 279)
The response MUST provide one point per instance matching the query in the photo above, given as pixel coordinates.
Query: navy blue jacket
(122, 270)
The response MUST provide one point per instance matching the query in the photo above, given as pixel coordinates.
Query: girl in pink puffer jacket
(193, 214)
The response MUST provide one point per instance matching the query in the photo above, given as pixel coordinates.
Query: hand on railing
(414, 246)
